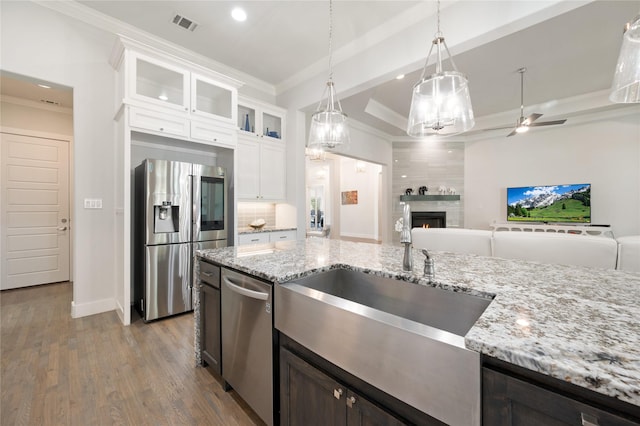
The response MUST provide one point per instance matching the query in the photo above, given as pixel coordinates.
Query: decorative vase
(247, 125)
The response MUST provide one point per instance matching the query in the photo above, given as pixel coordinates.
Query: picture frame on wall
(349, 197)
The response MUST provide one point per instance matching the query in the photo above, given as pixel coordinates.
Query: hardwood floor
(56, 370)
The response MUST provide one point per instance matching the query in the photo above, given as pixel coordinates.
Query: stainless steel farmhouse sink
(406, 339)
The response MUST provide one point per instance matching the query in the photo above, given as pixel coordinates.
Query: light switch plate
(93, 203)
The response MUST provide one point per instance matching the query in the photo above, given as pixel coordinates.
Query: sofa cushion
(456, 240)
(629, 253)
(559, 248)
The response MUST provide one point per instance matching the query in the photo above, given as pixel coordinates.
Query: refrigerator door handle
(245, 292)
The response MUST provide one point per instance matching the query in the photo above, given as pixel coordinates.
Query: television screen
(551, 203)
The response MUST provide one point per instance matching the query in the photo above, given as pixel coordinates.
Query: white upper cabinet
(167, 95)
(161, 84)
(158, 83)
(259, 119)
(211, 99)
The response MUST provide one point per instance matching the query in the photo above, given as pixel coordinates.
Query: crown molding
(370, 130)
(118, 28)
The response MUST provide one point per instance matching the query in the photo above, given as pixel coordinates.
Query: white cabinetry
(261, 151)
(259, 119)
(253, 238)
(276, 236)
(171, 97)
(266, 237)
(261, 169)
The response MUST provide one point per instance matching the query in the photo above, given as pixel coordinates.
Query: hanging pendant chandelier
(329, 128)
(440, 104)
(626, 80)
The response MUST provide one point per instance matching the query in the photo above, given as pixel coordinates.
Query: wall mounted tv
(550, 204)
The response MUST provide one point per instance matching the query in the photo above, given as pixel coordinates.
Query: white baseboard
(352, 235)
(92, 308)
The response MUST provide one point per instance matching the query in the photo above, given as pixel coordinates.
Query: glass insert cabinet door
(316, 207)
(211, 98)
(160, 83)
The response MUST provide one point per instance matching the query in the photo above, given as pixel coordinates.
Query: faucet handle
(429, 267)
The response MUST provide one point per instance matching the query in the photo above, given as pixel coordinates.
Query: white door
(35, 211)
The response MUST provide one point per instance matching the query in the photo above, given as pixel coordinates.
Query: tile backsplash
(248, 212)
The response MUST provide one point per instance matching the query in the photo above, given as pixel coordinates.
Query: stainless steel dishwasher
(247, 342)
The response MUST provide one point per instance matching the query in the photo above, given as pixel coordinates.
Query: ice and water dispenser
(166, 218)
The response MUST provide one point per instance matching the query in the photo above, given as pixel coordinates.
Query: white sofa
(565, 249)
(457, 240)
(629, 253)
(544, 247)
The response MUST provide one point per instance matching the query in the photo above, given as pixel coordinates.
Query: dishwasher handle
(244, 291)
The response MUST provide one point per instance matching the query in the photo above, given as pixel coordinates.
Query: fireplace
(428, 219)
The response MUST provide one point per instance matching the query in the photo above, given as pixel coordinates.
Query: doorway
(35, 234)
(329, 179)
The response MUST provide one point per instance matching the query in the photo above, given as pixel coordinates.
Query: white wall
(360, 220)
(602, 149)
(25, 115)
(37, 42)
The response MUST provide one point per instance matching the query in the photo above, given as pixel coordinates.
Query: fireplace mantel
(429, 198)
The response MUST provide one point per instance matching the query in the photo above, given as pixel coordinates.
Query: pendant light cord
(330, 39)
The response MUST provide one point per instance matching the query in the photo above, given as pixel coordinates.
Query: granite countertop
(250, 230)
(580, 325)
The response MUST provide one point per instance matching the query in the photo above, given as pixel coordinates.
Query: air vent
(49, 102)
(183, 22)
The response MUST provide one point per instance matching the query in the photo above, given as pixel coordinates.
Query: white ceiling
(567, 55)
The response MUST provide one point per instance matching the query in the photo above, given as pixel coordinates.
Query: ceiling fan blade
(531, 118)
(547, 123)
(497, 128)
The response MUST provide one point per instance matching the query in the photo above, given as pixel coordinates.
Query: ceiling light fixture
(440, 104)
(239, 14)
(626, 80)
(328, 128)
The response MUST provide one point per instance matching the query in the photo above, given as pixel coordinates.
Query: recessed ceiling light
(403, 176)
(400, 77)
(239, 14)
(44, 86)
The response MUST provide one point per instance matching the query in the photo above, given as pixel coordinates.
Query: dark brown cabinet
(310, 397)
(511, 401)
(210, 344)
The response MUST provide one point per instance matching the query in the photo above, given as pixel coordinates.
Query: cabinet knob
(215, 139)
(162, 129)
(350, 401)
(337, 393)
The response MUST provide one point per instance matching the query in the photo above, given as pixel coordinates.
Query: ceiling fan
(523, 123)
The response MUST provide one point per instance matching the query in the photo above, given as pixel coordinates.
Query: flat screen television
(550, 204)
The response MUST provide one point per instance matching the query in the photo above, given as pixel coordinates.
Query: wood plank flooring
(56, 370)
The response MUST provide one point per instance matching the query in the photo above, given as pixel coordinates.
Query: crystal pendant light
(440, 104)
(329, 128)
(626, 80)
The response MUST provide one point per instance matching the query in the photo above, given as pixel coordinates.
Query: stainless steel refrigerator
(179, 208)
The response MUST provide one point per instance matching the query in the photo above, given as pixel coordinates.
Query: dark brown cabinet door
(210, 326)
(308, 397)
(509, 401)
(361, 412)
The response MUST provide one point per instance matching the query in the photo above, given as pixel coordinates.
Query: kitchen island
(577, 325)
